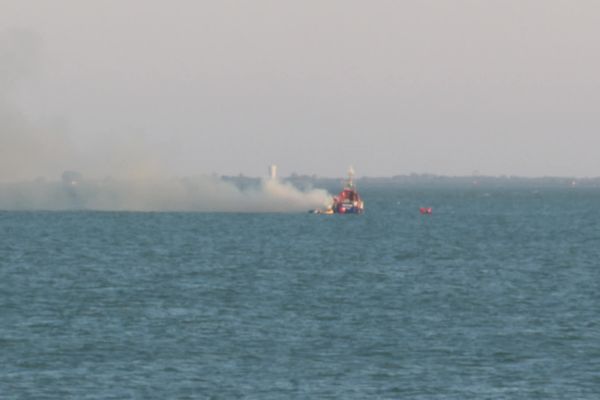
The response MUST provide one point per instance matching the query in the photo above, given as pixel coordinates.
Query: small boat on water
(327, 211)
(348, 201)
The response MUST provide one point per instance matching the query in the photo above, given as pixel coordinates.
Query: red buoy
(425, 210)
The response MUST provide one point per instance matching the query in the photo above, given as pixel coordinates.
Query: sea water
(496, 295)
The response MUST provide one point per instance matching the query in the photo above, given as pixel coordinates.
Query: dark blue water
(494, 296)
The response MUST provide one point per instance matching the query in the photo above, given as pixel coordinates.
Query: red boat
(348, 201)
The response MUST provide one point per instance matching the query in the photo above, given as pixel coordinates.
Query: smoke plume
(31, 147)
(28, 146)
(204, 194)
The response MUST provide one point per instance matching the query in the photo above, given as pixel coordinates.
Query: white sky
(391, 87)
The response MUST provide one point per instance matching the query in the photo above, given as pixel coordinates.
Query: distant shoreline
(315, 181)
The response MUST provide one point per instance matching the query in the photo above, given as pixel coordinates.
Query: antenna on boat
(350, 176)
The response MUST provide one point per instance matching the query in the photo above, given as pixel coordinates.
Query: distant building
(273, 171)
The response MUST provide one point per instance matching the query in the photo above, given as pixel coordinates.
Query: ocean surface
(496, 295)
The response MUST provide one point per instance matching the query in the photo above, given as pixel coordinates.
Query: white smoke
(203, 194)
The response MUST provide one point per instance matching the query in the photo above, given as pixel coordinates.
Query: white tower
(273, 171)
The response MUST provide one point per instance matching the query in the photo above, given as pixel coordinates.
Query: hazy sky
(392, 87)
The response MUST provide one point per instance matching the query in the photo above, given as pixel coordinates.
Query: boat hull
(352, 210)
(344, 208)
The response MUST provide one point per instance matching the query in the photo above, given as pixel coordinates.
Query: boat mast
(350, 183)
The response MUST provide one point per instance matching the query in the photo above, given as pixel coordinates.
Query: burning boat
(348, 201)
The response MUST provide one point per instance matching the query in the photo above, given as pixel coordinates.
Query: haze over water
(188, 284)
(150, 90)
(495, 295)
